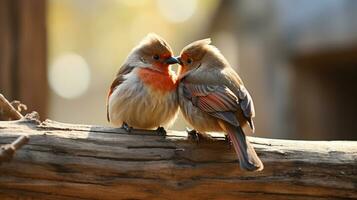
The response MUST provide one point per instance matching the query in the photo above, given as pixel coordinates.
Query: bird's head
(200, 54)
(153, 52)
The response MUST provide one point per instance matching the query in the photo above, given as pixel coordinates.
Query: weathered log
(67, 161)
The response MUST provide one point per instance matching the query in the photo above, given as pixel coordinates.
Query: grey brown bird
(143, 94)
(212, 98)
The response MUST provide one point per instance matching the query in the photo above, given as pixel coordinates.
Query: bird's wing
(247, 106)
(218, 101)
(125, 69)
(234, 82)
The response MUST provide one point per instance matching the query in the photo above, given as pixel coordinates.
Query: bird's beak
(172, 60)
(179, 60)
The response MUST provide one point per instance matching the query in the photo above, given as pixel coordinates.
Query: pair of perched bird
(211, 96)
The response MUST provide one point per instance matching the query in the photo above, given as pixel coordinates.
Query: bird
(213, 98)
(143, 94)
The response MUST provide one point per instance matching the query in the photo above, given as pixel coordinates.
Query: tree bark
(68, 161)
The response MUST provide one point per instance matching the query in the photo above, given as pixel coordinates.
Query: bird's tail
(248, 158)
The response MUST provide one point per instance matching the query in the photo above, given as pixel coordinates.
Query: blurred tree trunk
(23, 52)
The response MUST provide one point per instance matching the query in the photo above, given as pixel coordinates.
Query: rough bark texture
(67, 161)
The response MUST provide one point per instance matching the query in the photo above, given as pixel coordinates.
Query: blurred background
(298, 59)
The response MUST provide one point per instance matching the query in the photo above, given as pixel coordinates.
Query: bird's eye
(189, 61)
(156, 57)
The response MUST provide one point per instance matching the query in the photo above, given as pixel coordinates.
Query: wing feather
(232, 80)
(246, 104)
(218, 101)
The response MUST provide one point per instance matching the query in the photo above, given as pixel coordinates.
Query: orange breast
(157, 80)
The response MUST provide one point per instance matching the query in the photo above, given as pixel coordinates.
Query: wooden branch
(7, 151)
(7, 111)
(67, 161)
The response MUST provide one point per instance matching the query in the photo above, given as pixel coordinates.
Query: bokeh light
(177, 10)
(69, 75)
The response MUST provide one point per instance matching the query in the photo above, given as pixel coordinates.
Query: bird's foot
(192, 135)
(161, 131)
(197, 137)
(126, 127)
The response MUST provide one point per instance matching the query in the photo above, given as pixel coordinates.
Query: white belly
(141, 107)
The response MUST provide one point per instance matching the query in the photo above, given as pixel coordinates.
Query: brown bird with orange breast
(143, 94)
(212, 98)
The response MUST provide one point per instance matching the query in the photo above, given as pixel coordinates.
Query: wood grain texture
(7, 151)
(67, 161)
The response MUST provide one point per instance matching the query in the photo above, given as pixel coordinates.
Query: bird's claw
(161, 131)
(197, 137)
(193, 135)
(126, 127)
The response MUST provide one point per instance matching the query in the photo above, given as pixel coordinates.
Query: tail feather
(248, 158)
